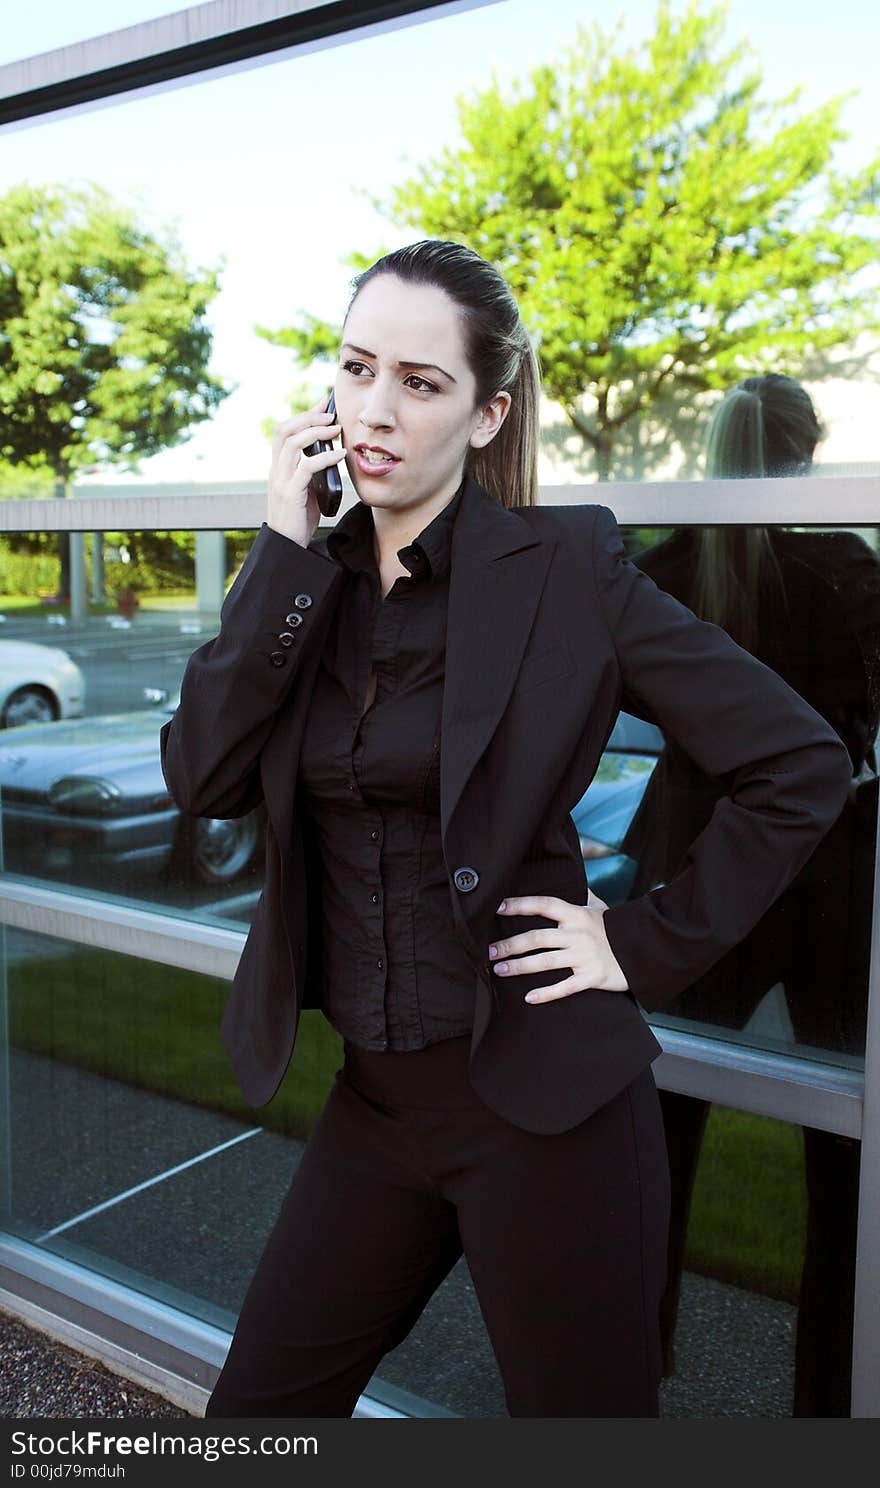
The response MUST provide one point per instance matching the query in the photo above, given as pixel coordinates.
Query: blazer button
(465, 879)
(286, 638)
(293, 618)
(277, 658)
(302, 601)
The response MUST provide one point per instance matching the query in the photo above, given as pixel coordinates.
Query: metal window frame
(203, 40)
(156, 1346)
(803, 501)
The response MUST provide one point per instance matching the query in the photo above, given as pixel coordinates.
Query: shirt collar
(428, 556)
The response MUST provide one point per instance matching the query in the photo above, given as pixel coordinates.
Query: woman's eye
(356, 368)
(424, 386)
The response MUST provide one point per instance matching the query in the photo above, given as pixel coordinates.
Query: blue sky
(264, 164)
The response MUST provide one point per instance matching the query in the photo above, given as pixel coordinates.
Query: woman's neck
(394, 530)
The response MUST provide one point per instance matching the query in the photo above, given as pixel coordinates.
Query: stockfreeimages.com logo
(154, 1443)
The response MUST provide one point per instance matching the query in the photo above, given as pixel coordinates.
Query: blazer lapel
(498, 569)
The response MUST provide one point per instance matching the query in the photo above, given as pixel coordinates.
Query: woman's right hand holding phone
(292, 507)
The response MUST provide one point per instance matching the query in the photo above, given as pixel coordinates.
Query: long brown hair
(765, 426)
(499, 354)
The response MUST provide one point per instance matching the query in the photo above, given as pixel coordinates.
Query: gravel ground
(39, 1377)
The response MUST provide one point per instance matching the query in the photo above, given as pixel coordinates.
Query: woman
(421, 698)
(808, 605)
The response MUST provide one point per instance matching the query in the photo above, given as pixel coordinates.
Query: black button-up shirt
(396, 973)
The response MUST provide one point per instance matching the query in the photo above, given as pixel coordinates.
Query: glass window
(83, 802)
(806, 602)
(129, 1147)
(130, 1136)
(128, 1130)
(757, 1315)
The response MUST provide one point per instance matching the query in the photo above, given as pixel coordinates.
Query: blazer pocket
(544, 667)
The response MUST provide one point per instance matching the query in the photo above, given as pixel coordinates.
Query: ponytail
(507, 467)
(767, 426)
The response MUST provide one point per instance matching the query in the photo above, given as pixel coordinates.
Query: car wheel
(28, 705)
(221, 850)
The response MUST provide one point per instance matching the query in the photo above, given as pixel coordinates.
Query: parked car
(88, 797)
(38, 684)
(609, 804)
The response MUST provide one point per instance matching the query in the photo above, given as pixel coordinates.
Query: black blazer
(550, 632)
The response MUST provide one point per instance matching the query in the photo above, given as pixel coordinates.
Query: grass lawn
(749, 1210)
(157, 1028)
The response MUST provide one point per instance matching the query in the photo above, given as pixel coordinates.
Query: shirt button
(277, 658)
(381, 964)
(375, 835)
(374, 898)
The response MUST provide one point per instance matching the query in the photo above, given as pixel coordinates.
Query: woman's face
(405, 396)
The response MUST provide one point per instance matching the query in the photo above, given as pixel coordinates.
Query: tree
(103, 341)
(665, 229)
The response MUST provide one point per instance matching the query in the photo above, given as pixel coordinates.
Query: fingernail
(501, 967)
(502, 906)
(493, 952)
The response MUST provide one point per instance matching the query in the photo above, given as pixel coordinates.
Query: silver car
(38, 684)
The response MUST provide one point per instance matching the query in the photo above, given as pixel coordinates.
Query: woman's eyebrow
(421, 366)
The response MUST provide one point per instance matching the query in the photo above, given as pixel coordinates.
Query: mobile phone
(326, 484)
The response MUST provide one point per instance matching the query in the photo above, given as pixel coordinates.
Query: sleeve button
(293, 618)
(286, 638)
(302, 601)
(277, 658)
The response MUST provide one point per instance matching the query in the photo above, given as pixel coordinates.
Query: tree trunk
(603, 456)
(604, 437)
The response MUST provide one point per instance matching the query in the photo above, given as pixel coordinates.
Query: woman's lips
(375, 463)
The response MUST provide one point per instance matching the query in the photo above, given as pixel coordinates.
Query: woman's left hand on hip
(578, 940)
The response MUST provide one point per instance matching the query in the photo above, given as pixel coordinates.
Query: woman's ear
(491, 417)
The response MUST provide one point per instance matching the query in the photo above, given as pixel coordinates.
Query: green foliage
(104, 345)
(157, 561)
(666, 230)
(20, 482)
(28, 573)
(305, 394)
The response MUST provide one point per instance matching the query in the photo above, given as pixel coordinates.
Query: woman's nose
(377, 412)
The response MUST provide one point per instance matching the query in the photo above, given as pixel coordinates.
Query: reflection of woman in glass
(447, 609)
(807, 604)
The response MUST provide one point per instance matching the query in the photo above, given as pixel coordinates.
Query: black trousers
(565, 1237)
